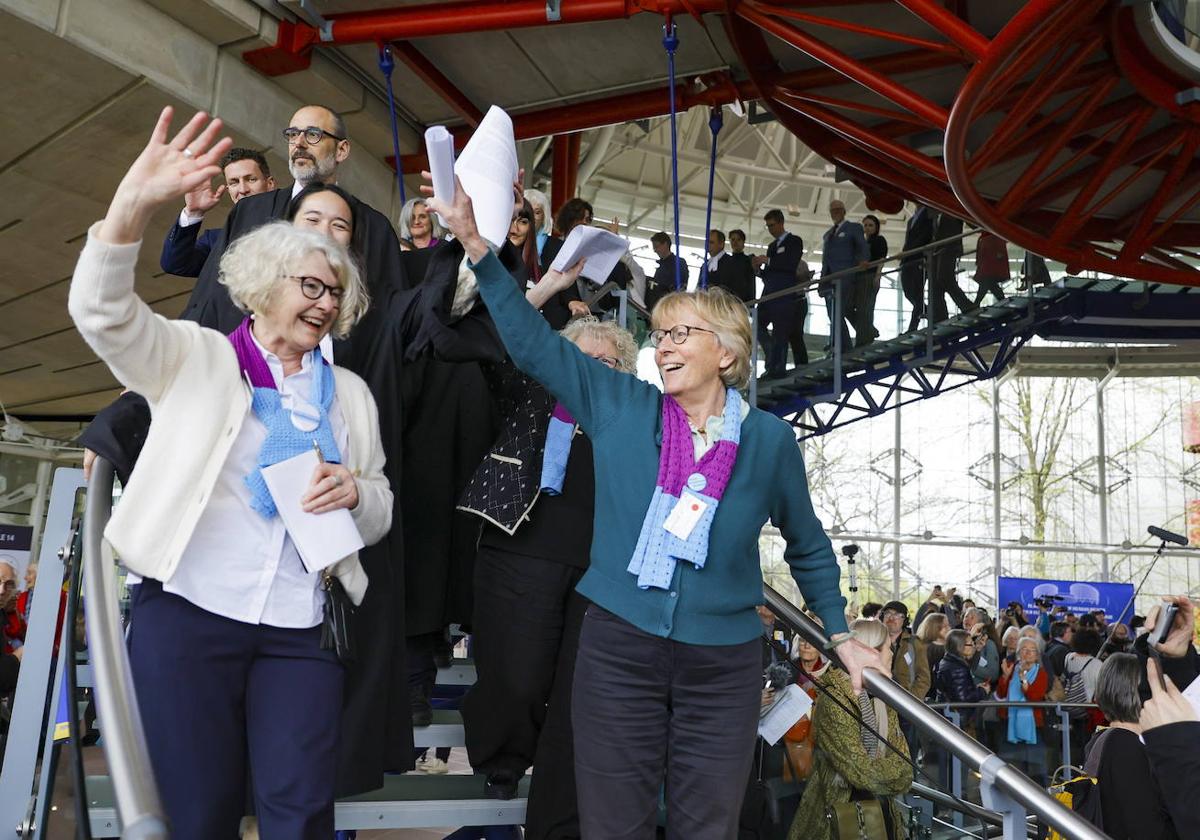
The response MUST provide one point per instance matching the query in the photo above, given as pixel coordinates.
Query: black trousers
(989, 284)
(526, 631)
(778, 315)
(796, 336)
(649, 711)
(912, 281)
(845, 292)
(944, 282)
(862, 308)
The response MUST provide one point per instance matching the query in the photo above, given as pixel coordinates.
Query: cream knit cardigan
(198, 402)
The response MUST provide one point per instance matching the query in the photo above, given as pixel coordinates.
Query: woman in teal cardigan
(668, 674)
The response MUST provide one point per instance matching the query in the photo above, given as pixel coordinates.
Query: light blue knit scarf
(284, 440)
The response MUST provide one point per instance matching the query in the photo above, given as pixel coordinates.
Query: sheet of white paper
(790, 705)
(601, 248)
(1192, 693)
(487, 168)
(439, 148)
(321, 539)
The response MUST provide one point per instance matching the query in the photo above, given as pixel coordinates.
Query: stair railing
(138, 804)
(1004, 789)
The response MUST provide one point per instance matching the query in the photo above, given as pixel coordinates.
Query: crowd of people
(597, 536)
(1134, 737)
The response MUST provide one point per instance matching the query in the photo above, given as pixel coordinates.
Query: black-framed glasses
(679, 334)
(315, 289)
(312, 135)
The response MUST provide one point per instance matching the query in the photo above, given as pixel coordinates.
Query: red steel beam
(295, 41)
(868, 31)
(934, 13)
(428, 72)
(1166, 189)
(850, 67)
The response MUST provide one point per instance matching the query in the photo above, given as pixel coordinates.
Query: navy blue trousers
(650, 712)
(224, 702)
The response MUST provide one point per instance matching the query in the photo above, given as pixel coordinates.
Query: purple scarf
(686, 495)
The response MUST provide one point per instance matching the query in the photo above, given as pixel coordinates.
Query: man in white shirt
(185, 249)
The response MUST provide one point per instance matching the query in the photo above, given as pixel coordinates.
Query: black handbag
(336, 631)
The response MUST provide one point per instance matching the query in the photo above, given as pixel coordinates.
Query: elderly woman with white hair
(231, 669)
(1025, 680)
(419, 226)
(543, 216)
(667, 678)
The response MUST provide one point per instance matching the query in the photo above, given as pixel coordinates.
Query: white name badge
(982, 662)
(908, 657)
(684, 516)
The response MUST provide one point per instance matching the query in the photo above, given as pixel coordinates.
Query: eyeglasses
(312, 135)
(607, 361)
(679, 334)
(314, 289)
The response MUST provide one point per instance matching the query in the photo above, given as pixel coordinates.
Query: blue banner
(1075, 596)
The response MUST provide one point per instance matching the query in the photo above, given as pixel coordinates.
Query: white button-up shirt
(239, 564)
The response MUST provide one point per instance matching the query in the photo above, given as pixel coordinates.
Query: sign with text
(1076, 596)
(15, 541)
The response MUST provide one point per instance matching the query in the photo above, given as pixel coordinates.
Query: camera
(1047, 602)
(1166, 620)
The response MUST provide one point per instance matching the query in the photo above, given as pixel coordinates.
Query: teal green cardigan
(622, 416)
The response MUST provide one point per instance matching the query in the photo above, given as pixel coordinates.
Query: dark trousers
(526, 631)
(649, 710)
(845, 295)
(862, 307)
(777, 315)
(944, 282)
(222, 700)
(796, 335)
(988, 285)
(912, 281)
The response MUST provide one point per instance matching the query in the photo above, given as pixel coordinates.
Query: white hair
(538, 199)
(254, 266)
(1037, 644)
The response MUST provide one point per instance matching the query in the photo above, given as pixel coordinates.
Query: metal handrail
(969, 809)
(1000, 775)
(138, 803)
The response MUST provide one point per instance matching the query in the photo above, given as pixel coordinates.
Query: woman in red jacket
(1024, 680)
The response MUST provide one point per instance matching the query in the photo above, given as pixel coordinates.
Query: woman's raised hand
(165, 170)
(458, 216)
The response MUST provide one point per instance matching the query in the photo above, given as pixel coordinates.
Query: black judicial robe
(376, 723)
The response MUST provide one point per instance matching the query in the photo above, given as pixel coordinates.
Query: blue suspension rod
(715, 121)
(386, 65)
(670, 44)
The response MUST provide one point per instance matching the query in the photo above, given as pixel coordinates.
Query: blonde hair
(729, 319)
(931, 627)
(254, 266)
(871, 632)
(620, 338)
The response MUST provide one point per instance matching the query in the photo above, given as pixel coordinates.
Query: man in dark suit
(918, 233)
(943, 278)
(844, 247)
(727, 271)
(663, 281)
(785, 253)
(186, 249)
(737, 268)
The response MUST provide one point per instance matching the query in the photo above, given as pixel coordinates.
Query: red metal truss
(1064, 134)
(428, 72)
(1062, 131)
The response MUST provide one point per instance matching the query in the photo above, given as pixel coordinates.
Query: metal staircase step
(406, 801)
(460, 672)
(445, 731)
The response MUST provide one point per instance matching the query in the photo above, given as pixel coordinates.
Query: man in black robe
(376, 725)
